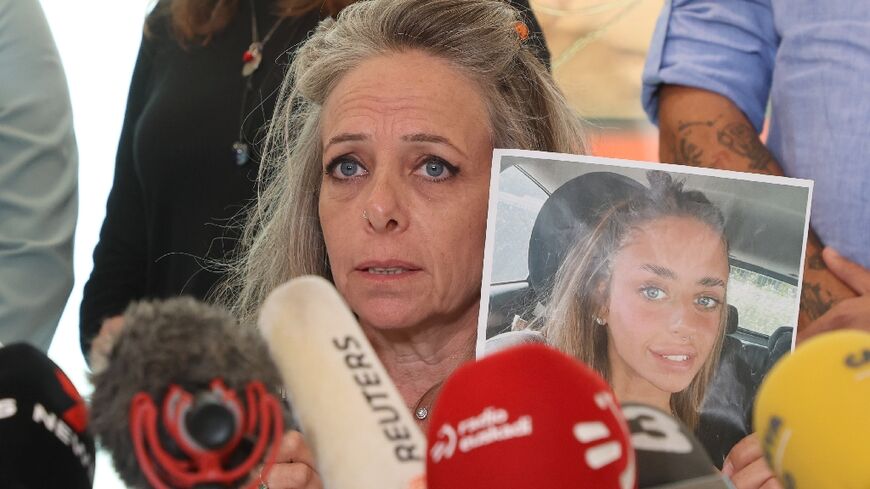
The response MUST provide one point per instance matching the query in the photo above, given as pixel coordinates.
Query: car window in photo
(765, 302)
(520, 200)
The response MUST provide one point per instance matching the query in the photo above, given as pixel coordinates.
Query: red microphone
(529, 416)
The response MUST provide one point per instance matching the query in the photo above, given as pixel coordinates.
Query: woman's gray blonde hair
(283, 237)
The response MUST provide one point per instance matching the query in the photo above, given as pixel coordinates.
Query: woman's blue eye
(707, 302)
(653, 293)
(434, 168)
(345, 168)
(348, 168)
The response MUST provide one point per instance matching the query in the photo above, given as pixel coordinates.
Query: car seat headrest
(573, 210)
(733, 320)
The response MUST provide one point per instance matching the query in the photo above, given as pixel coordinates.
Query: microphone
(668, 454)
(185, 400)
(812, 413)
(359, 429)
(528, 416)
(44, 437)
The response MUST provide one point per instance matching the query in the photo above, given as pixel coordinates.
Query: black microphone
(44, 437)
(187, 399)
(668, 455)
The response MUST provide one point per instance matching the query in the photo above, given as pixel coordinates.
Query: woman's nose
(683, 320)
(384, 209)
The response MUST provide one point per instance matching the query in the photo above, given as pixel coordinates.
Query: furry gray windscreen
(176, 341)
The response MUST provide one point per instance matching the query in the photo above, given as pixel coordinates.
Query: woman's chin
(674, 384)
(386, 317)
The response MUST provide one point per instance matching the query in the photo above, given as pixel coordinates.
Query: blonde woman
(376, 177)
(642, 299)
(205, 84)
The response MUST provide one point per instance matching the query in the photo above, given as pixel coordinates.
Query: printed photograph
(680, 286)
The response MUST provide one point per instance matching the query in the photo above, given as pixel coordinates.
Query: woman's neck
(643, 395)
(418, 358)
(631, 387)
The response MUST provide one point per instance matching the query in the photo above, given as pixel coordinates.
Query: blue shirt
(811, 60)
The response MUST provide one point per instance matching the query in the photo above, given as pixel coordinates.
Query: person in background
(38, 178)
(713, 67)
(203, 85)
(203, 88)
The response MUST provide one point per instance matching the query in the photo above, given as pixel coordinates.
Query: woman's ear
(602, 301)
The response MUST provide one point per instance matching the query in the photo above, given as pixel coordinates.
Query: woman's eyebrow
(422, 137)
(661, 271)
(712, 282)
(345, 137)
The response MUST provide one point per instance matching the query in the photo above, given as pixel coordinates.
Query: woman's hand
(746, 467)
(102, 345)
(294, 466)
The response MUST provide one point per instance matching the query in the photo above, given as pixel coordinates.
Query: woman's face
(666, 298)
(406, 159)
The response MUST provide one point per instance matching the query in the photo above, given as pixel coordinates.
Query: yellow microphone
(812, 413)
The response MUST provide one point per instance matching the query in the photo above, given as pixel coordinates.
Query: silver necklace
(251, 60)
(424, 405)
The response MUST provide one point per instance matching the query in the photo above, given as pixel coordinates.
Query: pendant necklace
(424, 405)
(423, 408)
(251, 60)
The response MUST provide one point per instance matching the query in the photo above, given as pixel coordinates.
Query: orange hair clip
(522, 30)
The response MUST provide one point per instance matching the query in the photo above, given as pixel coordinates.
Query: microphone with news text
(359, 429)
(185, 401)
(528, 416)
(812, 413)
(44, 437)
(668, 455)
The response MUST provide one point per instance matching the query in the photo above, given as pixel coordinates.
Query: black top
(177, 187)
(174, 208)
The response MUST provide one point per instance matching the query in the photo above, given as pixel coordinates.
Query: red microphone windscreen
(525, 417)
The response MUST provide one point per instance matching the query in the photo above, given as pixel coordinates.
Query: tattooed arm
(701, 128)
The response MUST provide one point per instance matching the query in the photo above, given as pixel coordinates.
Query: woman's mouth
(676, 358)
(386, 271)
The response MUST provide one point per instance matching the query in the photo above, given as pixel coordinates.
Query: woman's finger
(296, 475)
(294, 449)
(742, 454)
(756, 475)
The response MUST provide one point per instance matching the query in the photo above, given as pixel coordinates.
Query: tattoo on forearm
(812, 302)
(684, 126)
(814, 260)
(814, 253)
(685, 151)
(742, 140)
